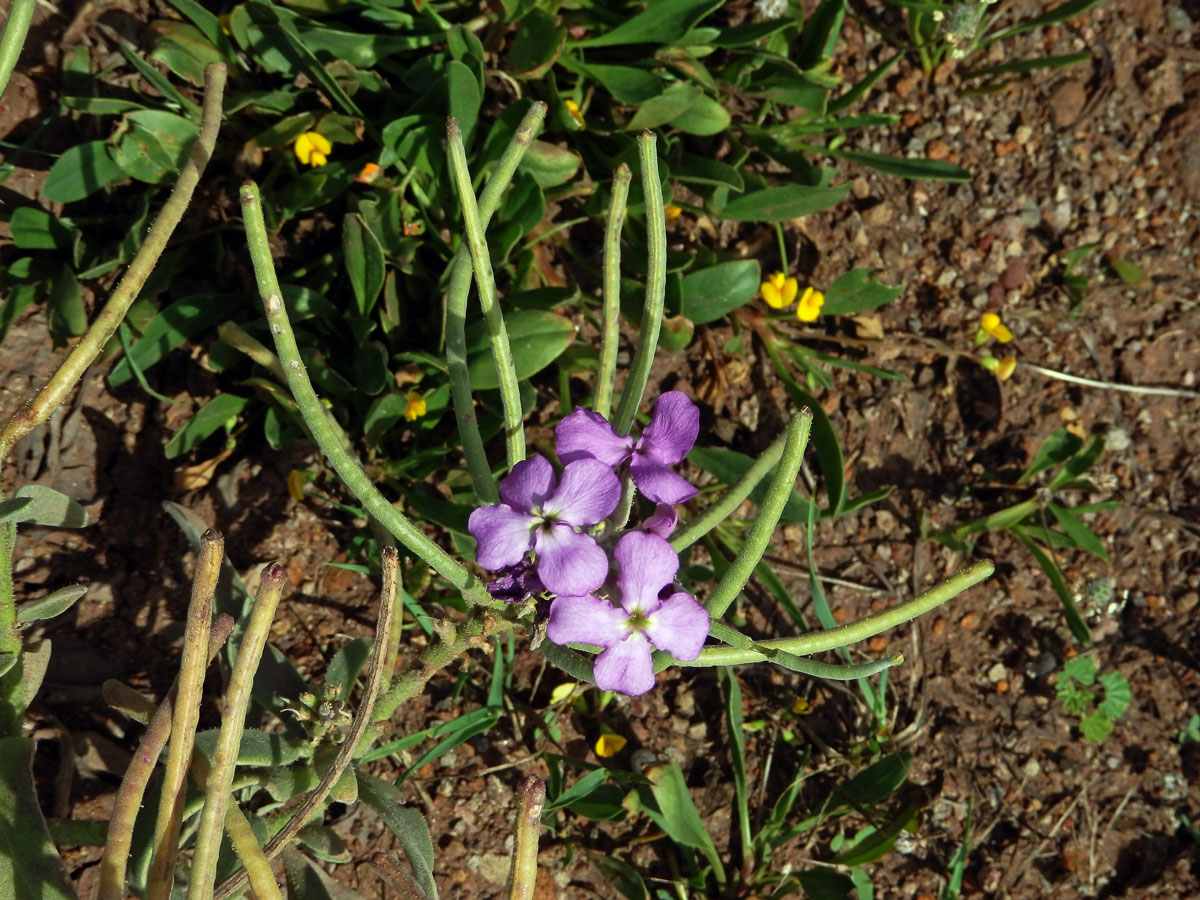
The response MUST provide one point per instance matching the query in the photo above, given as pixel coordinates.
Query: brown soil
(1105, 153)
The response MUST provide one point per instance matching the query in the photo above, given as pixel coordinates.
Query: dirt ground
(1104, 153)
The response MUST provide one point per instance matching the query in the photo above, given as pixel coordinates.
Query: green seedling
(1098, 701)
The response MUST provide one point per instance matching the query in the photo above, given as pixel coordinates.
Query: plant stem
(233, 723)
(73, 367)
(730, 500)
(844, 635)
(523, 879)
(485, 284)
(377, 668)
(20, 14)
(763, 529)
(612, 291)
(128, 801)
(316, 417)
(656, 286)
(456, 310)
(192, 666)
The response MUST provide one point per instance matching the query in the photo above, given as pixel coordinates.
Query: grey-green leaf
(778, 204)
(51, 605)
(49, 507)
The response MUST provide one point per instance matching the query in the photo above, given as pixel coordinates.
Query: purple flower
(672, 431)
(540, 512)
(516, 585)
(662, 521)
(678, 624)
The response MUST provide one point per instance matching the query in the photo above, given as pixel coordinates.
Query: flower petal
(663, 521)
(659, 483)
(588, 435)
(646, 564)
(504, 535)
(673, 429)
(568, 563)
(529, 484)
(626, 667)
(587, 492)
(679, 626)
(586, 620)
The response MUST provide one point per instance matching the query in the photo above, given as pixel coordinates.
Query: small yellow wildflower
(573, 109)
(1006, 367)
(801, 707)
(672, 213)
(811, 302)
(416, 406)
(610, 745)
(564, 691)
(224, 22)
(779, 290)
(991, 326)
(312, 148)
(369, 173)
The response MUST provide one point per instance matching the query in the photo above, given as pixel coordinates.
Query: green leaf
(858, 290)
(1116, 695)
(81, 171)
(1082, 460)
(10, 510)
(49, 507)
(710, 293)
(209, 419)
(35, 229)
(1023, 66)
(185, 319)
(323, 843)
(257, 748)
(51, 605)
(820, 34)
(345, 667)
(1081, 669)
(1095, 727)
(667, 106)
(538, 42)
(580, 789)
(662, 22)
(407, 824)
(745, 35)
(465, 98)
(550, 164)
(704, 117)
(155, 145)
(778, 204)
(676, 813)
(68, 317)
(1059, 446)
(29, 864)
(734, 718)
(537, 337)
(1083, 537)
(702, 170)
(305, 881)
(625, 83)
(1074, 620)
(364, 262)
(184, 49)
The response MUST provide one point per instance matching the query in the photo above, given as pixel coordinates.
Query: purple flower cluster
(551, 516)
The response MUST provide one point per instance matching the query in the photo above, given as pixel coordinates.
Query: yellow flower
(573, 109)
(416, 406)
(672, 213)
(1006, 367)
(563, 692)
(224, 21)
(610, 745)
(369, 173)
(991, 326)
(312, 148)
(811, 302)
(779, 290)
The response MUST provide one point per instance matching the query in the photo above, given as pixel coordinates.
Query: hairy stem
(523, 879)
(233, 723)
(485, 284)
(456, 309)
(612, 291)
(656, 286)
(316, 417)
(186, 716)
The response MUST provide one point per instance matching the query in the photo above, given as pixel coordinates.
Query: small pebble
(1022, 134)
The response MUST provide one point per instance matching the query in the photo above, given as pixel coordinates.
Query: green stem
(656, 286)
(378, 666)
(853, 632)
(20, 14)
(456, 310)
(485, 284)
(233, 723)
(763, 529)
(730, 500)
(128, 802)
(186, 716)
(523, 880)
(606, 375)
(316, 417)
